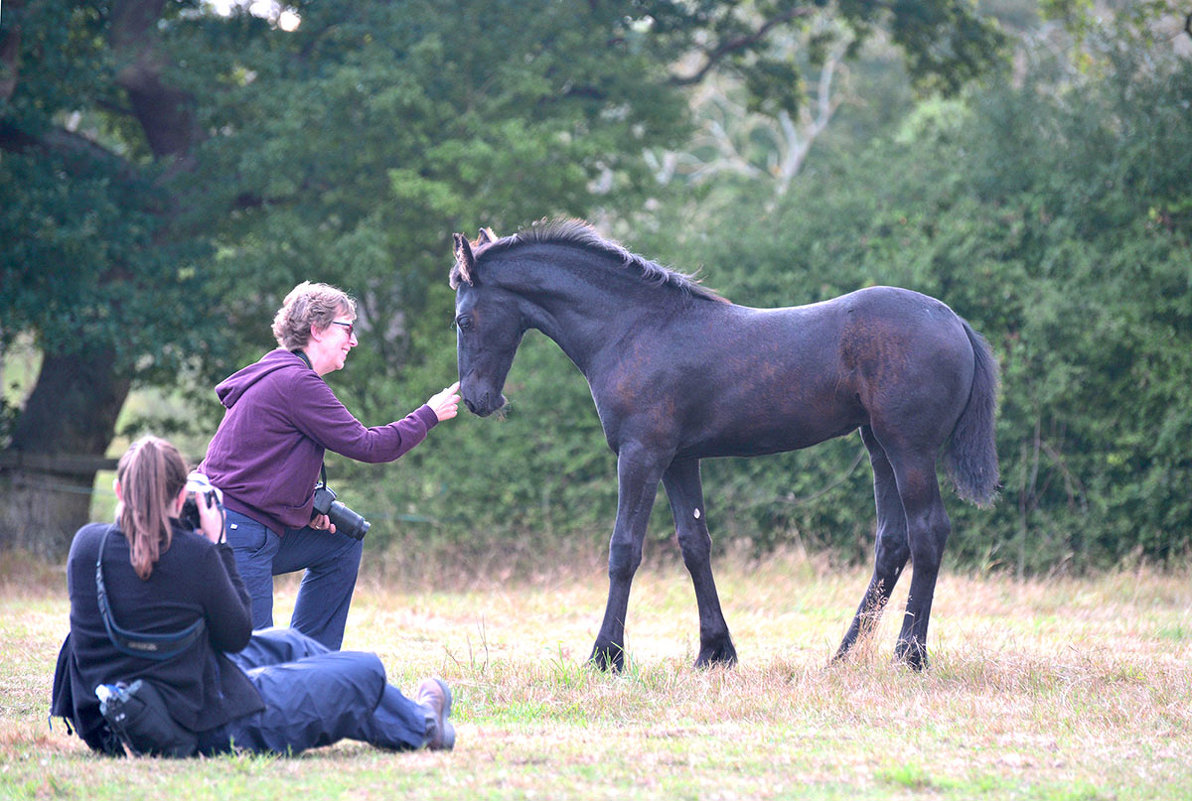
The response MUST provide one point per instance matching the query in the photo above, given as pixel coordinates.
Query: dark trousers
(313, 697)
(331, 562)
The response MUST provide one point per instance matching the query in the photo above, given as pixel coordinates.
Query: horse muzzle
(484, 405)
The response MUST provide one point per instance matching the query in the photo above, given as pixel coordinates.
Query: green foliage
(945, 44)
(372, 132)
(345, 151)
(1053, 217)
(348, 149)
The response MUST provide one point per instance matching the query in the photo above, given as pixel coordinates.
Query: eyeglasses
(350, 326)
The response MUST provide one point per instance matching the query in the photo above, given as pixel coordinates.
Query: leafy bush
(1055, 216)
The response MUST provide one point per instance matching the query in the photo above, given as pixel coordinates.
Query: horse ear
(485, 237)
(465, 262)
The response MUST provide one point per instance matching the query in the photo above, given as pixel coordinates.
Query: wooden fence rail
(60, 463)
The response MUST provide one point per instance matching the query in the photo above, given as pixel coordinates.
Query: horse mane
(581, 234)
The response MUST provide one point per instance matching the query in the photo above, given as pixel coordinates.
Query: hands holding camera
(203, 507)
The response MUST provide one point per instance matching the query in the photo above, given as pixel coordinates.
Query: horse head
(488, 328)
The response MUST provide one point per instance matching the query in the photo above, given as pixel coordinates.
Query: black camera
(198, 487)
(190, 515)
(344, 519)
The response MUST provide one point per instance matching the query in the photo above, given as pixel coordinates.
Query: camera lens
(190, 515)
(348, 522)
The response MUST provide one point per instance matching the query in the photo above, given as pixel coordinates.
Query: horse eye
(463, 322)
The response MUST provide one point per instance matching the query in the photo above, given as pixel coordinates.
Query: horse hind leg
(928, 528)
(891, 550)
(685, 493)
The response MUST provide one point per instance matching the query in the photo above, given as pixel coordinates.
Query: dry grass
(1062, 689)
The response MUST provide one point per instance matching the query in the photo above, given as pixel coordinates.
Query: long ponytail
(151, 473)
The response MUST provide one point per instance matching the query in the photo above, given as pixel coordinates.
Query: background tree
(169, 172)
(1053, 214)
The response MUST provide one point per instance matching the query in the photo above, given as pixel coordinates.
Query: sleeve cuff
(427, 416)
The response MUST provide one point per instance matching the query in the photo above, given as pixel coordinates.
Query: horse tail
(972, 451)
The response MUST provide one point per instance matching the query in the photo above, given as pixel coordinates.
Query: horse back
(728, 380)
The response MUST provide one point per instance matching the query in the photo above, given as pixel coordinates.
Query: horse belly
(773, 420)
(761, 446)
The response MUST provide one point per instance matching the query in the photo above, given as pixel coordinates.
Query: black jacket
(193, 579)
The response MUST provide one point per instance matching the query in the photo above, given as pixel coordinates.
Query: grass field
(1059, 689)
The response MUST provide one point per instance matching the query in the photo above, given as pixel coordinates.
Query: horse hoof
(913, 655)
(723, 655)
(608, 658)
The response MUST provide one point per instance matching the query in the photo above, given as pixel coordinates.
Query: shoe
(435, 697)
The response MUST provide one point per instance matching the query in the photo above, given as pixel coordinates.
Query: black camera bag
(140, 718)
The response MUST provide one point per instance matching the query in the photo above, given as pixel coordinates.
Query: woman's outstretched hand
(445, 404)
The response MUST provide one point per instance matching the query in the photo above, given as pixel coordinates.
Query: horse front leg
(638, 473)
(685, 492)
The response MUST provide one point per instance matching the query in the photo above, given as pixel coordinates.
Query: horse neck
(578, 302)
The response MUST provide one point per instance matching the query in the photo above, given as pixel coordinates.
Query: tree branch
(725, 49)
(165, 114)
(68, 144)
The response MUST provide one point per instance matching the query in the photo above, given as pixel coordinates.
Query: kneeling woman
(274, 691)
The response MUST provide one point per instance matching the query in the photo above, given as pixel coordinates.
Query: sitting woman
(274, 691)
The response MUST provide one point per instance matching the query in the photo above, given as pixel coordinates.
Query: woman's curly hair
(309, 304)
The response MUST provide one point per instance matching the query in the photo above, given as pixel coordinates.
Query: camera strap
(158, 647)
(357, 532)
(301, 354)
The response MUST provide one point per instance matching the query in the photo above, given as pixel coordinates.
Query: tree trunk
(48, 471)
(45, 485)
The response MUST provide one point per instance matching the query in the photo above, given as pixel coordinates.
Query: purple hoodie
(281, 417)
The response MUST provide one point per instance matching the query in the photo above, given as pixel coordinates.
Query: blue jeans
(331, 562)
(315, 697)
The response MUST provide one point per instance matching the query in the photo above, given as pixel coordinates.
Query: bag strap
(157, 647)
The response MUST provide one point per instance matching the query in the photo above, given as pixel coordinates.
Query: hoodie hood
(232, 388)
